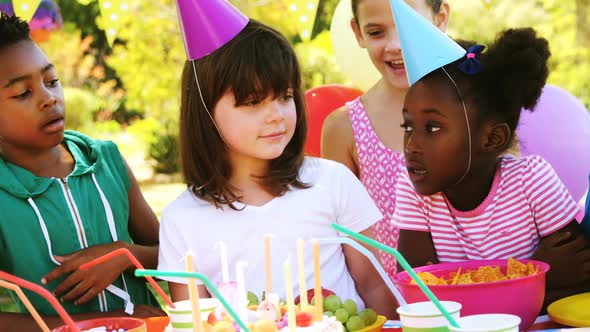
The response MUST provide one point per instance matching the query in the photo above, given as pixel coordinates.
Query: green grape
(369, 316)
(350, 306)
(332, 303)
(252, 299)
(354, 323)
(328, 313)
(341, 315)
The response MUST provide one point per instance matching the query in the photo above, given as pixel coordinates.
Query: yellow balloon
(353, 60)
(487, 3)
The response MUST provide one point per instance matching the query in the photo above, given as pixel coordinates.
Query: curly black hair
(513, 73)
(12, 30)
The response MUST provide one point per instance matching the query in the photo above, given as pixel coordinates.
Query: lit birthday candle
(193, 292)
(302, 287)
(319, 306)
(242, 295)
(290, 300)
(223, 257)
(267, 267)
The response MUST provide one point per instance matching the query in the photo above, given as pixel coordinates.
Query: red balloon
(321, 101)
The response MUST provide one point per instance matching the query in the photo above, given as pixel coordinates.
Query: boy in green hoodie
(65, 199)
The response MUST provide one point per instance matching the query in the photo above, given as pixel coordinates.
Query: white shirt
(335, 196)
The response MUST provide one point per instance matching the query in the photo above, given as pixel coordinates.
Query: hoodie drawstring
(43, 229)
(123, 294)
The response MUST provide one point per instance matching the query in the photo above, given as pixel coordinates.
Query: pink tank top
(379, 167)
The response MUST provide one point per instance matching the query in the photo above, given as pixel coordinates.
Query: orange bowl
(113, 323)
(375, 327)
(157, 324)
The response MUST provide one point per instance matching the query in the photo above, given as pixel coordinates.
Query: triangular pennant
(25, 9)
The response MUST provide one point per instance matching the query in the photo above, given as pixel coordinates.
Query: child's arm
(337, 142)
(415, 240)
(417, 248)
(10, 322)
(368, 281)
(179, 292)
(83, 286)
(567, 251)
(562, 245)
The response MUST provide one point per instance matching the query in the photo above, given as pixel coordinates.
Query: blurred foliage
(563, 22)
(150, 61)
(81, 105)
(165, 152)
(317, 62)
(136, 81)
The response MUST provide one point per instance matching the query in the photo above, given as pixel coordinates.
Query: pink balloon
(559, 131)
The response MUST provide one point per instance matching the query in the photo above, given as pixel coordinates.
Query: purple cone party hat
(208, 25)
(424, 47)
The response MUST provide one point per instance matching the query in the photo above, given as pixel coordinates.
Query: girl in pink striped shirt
(461, 199)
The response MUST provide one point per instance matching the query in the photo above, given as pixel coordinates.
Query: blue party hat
(424, 47)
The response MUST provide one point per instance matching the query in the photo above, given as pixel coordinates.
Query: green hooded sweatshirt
(41, 217)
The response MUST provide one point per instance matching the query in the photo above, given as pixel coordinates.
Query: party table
(158, 324)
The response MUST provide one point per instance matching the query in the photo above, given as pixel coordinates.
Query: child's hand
(82, 286)
(145, 311)
(569, 258)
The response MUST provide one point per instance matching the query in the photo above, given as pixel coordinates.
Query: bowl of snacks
(482, 287)
(114, 324)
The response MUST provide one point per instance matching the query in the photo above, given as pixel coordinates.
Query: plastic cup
(487, 323)
(181, 317)
(425, 316)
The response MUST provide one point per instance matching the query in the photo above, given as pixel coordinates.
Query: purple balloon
(559, 131)
(207, 25)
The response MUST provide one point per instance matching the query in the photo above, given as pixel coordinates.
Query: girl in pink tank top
(379, 167)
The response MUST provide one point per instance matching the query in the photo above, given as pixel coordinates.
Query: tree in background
(141, 61)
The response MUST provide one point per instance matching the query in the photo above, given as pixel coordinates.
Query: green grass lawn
(160, 195)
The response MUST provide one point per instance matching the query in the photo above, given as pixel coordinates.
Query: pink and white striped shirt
(527, 201)
(379, 167)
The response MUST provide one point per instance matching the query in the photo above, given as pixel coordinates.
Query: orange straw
(46, 294)
(27, 303)
(126, 252)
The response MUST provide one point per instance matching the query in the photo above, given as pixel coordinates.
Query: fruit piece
(265, 325)
(311, 293)
(369, 316)
(303, 319)
(216, 316)
(350, 306)
(223, 326)
(308, 308)
(328, 313)
(332, 303)
(341, 315)
(252, 299)
(354, 323)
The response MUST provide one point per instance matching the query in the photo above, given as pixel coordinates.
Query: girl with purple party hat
(242, 130)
